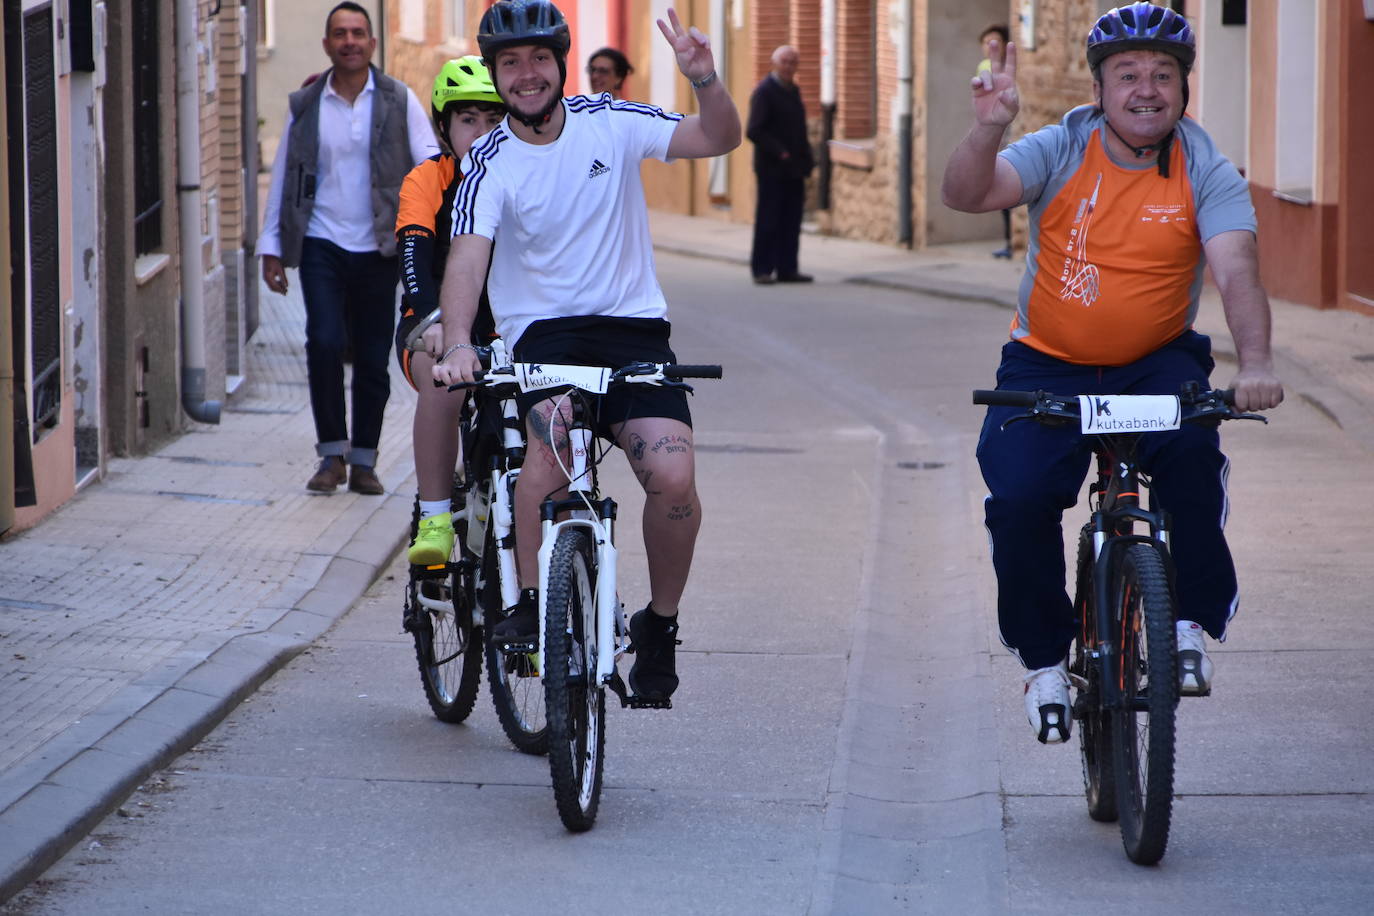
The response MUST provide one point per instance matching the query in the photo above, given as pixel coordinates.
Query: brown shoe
(362, 479)
(331, 473)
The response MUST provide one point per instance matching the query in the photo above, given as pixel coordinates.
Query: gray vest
(390, 155)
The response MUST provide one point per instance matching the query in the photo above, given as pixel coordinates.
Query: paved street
(849, 736)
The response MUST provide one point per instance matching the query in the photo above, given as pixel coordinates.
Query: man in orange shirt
(1128, 201)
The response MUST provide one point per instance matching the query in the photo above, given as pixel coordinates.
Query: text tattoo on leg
(671, 444)
(681, 513)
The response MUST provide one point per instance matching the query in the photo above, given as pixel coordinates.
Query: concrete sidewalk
(138, 615)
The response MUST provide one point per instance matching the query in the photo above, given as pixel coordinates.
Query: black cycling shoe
(654, 673)
(522, 621)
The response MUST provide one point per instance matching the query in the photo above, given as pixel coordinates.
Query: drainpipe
(188, 206)
(827, 102)
(905, 82)
(250, 169)
(6, 344)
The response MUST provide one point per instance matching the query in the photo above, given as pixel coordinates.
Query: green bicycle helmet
(461, 80)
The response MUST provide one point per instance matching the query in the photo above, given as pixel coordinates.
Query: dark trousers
(777, 226)
(1035, 472)
(348, 297)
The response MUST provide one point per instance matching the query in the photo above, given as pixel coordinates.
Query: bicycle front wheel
(1143, 728)
(1095, 723)
(576, 704)
(512, 676)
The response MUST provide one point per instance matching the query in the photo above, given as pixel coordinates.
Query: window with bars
(148, 209)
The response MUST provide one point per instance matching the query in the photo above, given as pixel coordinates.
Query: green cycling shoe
(433, 542)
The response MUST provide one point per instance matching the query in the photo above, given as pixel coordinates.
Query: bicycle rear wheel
(576, 705)
(1095, 723)
(1143, 728)
(448, 646)
(513, 677)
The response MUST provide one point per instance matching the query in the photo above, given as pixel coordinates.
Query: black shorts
(595, 340)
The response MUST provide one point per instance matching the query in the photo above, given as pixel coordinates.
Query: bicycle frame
(1112, 523)
(598, 517)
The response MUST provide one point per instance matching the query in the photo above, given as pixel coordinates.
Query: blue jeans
(349, 296)
(1034, 472)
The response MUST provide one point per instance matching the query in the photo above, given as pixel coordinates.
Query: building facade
(129, 215)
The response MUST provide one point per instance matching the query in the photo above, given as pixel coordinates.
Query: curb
(58, 795)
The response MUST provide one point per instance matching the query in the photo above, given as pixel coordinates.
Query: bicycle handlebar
(635, 373)
(1204, 404)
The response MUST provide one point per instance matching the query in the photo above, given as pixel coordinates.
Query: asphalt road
(849, 735)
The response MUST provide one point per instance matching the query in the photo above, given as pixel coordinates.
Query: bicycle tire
(513, 679)
(1095, 725)
(448, 647)
(576, 705)
(1143, 739)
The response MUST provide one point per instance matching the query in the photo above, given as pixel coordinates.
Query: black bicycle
(448, 605)
(1124, 661)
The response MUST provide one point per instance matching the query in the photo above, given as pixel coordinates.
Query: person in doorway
(349, 140)
(1129, 203)
(607, 70)
(553, 197)
(993, 41)
(782, 161)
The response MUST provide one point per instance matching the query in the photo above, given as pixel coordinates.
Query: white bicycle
(582, 625)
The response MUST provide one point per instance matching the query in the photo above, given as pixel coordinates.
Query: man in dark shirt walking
(782, 160)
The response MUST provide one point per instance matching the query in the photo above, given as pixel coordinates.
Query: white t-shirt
(567, 220)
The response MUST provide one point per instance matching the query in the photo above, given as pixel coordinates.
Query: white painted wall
(1221, 100)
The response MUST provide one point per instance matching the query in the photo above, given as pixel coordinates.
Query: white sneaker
(1047, 703)
(1194, 667)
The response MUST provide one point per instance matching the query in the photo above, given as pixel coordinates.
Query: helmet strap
(1141, 152)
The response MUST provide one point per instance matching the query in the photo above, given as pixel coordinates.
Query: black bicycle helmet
(511, 23)
(1142, 27)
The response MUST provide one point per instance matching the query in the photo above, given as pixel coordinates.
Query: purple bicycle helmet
(1142, 26)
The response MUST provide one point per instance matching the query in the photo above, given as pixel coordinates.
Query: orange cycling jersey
(1115, 264)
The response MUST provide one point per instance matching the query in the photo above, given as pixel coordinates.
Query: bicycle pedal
(617, 686)
(519, 647)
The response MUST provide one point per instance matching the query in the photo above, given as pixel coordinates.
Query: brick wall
(857, 80)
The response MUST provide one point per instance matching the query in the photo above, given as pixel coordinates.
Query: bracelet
(458, 346)
(705, 81)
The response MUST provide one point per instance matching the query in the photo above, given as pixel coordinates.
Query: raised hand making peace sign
(692, 47)
(995, 100)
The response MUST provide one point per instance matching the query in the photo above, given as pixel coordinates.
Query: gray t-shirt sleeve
(1035, 158)
(1221, 193)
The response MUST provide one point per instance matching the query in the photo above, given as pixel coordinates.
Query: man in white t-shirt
(556, 188)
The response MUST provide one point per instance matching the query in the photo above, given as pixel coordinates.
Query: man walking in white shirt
(350, 138)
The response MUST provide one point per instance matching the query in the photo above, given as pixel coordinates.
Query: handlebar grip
(477, 378)
(1005, 398)
(680, 372)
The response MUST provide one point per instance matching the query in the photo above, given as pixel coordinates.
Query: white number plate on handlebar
(538, 376)
(1128, 413)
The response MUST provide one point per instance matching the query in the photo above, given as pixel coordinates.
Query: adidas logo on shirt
(598, 168)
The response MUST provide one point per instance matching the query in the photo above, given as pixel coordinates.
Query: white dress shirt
(343, 205)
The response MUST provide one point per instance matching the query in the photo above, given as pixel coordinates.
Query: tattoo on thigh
(644, 478)
(670, 444)
(679, 513)
(545, 430)
(637, 445)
